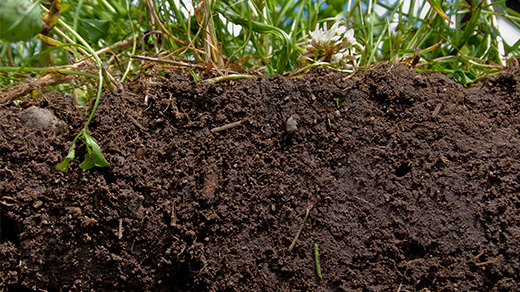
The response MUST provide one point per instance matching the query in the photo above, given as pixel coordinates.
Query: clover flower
(334, 46)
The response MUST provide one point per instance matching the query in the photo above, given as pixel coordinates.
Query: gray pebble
(41, 119)
(291, 125)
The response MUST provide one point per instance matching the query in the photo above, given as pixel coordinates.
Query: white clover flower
(348, 38)
(336, 58)
(333, 46)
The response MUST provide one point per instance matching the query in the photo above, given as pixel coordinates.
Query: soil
(403, 181)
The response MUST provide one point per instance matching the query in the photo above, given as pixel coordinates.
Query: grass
(105, 43)
(317, 260)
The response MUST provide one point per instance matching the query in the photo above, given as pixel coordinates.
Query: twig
(436, 111)
(5, 203)
(136, 123)
(226, 127)
(309, 207)
(171, 62)
(120, 232)
(154, 15)
(488, 262)
(228, 77)
(115, 46)
(36, 83)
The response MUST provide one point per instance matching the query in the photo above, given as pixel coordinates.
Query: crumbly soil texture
(387, 180)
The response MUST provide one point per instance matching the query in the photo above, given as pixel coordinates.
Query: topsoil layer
(403, 181)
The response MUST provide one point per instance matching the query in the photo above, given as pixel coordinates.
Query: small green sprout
(317, 260)
(195, 76)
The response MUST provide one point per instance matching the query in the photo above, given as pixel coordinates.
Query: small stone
(41, 119)
(140, 154)
(37, 204)
(291, 125)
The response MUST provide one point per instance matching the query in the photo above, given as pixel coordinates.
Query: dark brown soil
(411, 184)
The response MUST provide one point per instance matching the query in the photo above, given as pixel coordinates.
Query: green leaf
(20, 20)
(65, 163)
(470, 28)
(195, 77)
(94, 29)
(283, 60)
(293, 61)
(285, 49)
(464, 78)
(94, 151)
(88, 163)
